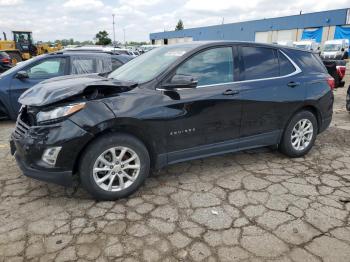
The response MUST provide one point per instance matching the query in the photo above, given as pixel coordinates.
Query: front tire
(114, 166)
(299, 135)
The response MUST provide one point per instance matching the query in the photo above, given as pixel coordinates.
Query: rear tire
(114, 166)
(299, 135)
(3, 112)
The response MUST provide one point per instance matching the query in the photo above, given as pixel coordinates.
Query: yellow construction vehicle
(48, 48)
(22, 46)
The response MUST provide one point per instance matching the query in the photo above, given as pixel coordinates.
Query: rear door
(38, 71)
(88, 64)
(270, 90)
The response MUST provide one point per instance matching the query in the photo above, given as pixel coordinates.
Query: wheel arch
(129, 129)
(311, 108)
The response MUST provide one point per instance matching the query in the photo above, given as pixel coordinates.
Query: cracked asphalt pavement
(255, 205)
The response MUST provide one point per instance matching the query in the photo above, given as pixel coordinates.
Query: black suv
(172, 104)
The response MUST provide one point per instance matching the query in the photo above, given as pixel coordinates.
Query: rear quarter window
(309, 62)
(286, 67)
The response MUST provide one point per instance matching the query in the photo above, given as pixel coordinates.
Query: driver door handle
(293, 84)
(230, 92)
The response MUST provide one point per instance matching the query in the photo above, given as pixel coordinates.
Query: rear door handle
(230, 92)
(293, 84)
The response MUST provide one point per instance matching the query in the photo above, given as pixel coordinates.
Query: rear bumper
(63, 178)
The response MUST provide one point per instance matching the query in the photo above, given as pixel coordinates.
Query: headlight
(59, 112)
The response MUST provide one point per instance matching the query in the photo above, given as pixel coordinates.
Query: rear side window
(259, 62)
(286, 67)
(88, 65)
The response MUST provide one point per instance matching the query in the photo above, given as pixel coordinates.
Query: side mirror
(22, 75)
(181, 81)
(342, 49)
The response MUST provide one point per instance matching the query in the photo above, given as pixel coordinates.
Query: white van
(309, 45)
(335, 49)
(285, 42)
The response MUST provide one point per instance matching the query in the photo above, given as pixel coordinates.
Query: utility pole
(124, 37)
(113, 32)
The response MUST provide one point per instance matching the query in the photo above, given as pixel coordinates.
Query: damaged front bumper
(30, 144)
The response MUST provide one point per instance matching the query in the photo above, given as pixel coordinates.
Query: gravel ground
(251, 206)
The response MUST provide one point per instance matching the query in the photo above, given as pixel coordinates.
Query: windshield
(332, 47)
(147, 66)
(304, 47)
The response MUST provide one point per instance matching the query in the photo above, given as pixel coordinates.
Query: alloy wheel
(302, 134)
(116, 168)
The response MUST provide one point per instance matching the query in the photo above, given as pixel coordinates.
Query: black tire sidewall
(286, 143)
(96, 148)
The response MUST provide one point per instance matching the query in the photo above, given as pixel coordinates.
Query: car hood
(60, 88)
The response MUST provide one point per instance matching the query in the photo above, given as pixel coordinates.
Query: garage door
(285, 35)
(262, 37)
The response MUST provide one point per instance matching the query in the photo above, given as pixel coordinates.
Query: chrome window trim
(296, 67)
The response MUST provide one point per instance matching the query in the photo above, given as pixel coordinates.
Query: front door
(208, 116)
(37, 72)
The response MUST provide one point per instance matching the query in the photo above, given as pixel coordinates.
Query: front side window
(48, 68)
(213, 66)
(259, 62)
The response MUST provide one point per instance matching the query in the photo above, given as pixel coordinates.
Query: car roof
(80, 53)
(198, 44)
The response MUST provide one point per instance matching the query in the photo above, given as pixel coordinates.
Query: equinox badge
(184, 131)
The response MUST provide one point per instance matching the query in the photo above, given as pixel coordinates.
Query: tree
(179, 26)
(102, 38)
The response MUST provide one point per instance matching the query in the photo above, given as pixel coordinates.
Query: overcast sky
(82, 19)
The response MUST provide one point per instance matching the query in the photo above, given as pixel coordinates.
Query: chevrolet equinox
(172, 104)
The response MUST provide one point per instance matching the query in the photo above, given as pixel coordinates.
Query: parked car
(147, 48)
(27, 74)
(284, 42)
(5, 62)
(309, 45)
(171, 104)
(337, 69)
(337, 49)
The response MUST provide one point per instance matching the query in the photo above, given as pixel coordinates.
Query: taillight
(331, 82)
(341, 71)
(5, 60)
